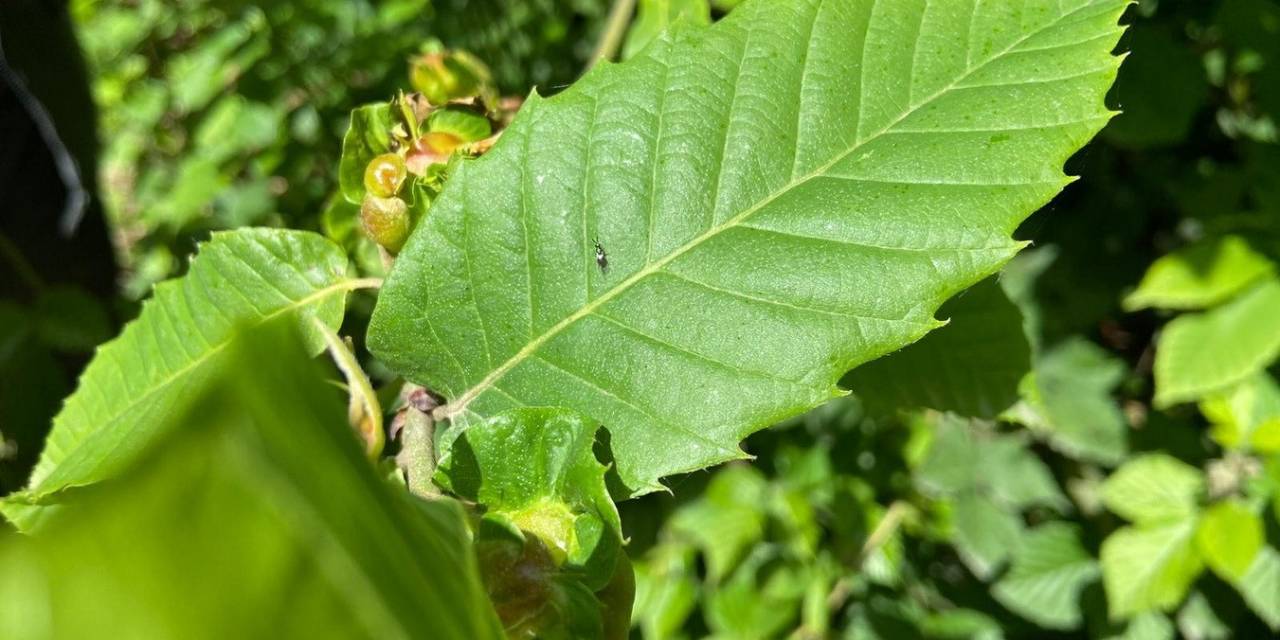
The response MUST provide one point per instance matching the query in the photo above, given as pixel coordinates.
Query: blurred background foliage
(217, 114)
(1093, 449)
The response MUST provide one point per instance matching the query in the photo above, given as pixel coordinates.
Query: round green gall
(386, 221)
(384, 175)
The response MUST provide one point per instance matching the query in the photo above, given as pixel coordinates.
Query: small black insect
(602, 258)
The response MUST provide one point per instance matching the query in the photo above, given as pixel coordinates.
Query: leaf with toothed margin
(140, 379)
(777, 198)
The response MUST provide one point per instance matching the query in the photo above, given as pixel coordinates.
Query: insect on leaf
(783, 195)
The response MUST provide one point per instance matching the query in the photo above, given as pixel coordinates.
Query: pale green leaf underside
(781, 196)
(1205, 352)
(1047, 576)
(138, 380)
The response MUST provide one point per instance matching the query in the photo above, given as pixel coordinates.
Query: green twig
(417, 457)
(614, 31)
(363, 411)
(884, 530)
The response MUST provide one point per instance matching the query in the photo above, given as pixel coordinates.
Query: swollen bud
(442, 76)
(384, 175)
(386, 221)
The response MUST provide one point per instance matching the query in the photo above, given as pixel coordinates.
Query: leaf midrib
(461, 404)
(320, 294)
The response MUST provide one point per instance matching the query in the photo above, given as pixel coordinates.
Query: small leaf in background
(967, 457)
(1260, 587)
(1247, 416)
(656, 16)
(1205, 352)
(1198, 621)
(1154, 488)
(256, 515)
(761, 599)
(985, 533)
(1199, 276)
(1149, 568)
(1230, 536)
(1148, 626)
(794, 171)
(971, 367)
(136, 382)
(1067, 401)
(727, 520)
(666, 591)
(1047, 575)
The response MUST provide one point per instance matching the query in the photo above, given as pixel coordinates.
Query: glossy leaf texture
(257, 515)
(778, 198)
(140, 379)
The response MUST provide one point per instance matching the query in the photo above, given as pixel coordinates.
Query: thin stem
(614, 31)
(363, 411)
(366, 283)
(884, 530)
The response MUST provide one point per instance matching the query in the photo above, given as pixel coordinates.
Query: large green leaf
(1205, 352)
(139, 380)
(778, 197)
(257, 515)
(972, 366)
(1149, 568)
(1048, 574)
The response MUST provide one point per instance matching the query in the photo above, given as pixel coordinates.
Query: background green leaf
(139, 380)
(1247, 416)
(1067, 401)
(1260, 587)
(1049, 571)
(1229, 536)
(1206, 352)
(823, 185)
(655, 16)
(1199, 276)
(1149, 568)
(1153, 488)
